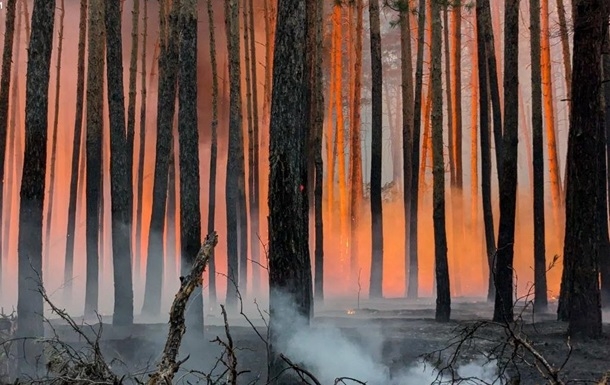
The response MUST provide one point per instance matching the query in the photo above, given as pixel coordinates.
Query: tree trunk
(412, 290)
(166, 106)
(143, 110)
(407, 124)
(503, 307)
(76, 150)
(580, 294)
(565, 49)
(490, 243)
(289, 262)
(443, 296)
(376, 284)
(120, 171)
(213, 154)
(540, 287)
(549, 112)
(605, 263)
(131, 111)
(254, 179)
(474, 145)
(30, 303)
(190, 206)
(95, 108)
(235, 161)
(5, 84)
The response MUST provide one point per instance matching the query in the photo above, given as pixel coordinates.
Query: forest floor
(379, 342)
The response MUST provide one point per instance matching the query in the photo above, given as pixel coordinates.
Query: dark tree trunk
(540, 287)
(605, 255)
(213, 154)
(580, 294)
(234, 160)
(443, 295)
(140, 191)
(253, 176)
(5, 84)
(95, 108)
(412, 290)
(289, 262)
(484, 12)
(120, 171)
(503, 307)
(188, 137)
(76, 150)
(131, 110)
(490, 242)
(168, 73)
(376, 283)
(407, 125)
(30, 304)
(315, 121)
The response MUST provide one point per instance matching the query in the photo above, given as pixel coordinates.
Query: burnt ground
(393, 333)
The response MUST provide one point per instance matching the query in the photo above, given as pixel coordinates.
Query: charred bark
(503, 306)
(120, 173)
(289, 261)
(30, 301)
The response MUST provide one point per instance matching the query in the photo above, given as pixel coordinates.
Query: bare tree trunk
(254, 179)
(213, 153)
(549, 115)
(565, 49)
(143, 109)
(95, 105)
(412, 290)
(503, 307)
(121, 184)
(168, 73)
(318, 128)
(443, 299)
(289, 262)
(131, 112)
(376, 283)
(52, 166)
(188, 134)
(484, 75)
(5, 84)
(235, 157)
(76, 151)
(580, 293)
(30, 303)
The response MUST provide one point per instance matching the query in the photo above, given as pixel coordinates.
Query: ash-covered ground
(378, 342)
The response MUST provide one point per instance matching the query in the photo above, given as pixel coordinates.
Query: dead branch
(301, 371)
(168, 366)
(229, 350)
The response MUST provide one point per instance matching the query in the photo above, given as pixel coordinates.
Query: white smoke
(328, 353)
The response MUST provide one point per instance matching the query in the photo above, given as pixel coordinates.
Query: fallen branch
(168, 366)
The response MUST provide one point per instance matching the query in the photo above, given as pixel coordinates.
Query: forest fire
(355, 182)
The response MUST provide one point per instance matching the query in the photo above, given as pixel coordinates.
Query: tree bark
(95, 108)
(120, 173)
(443, 295)
(254, 179)
(582, 243)
(540, 288)
(235, 160)
(213, 153)
(188, 136)
(166, 106)
(30, 302)
(289, 262)
(503, 306)
(131, 111)
(76, 151)
(412, 290)
(376, 283)
(142, 137)
(5, 84)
